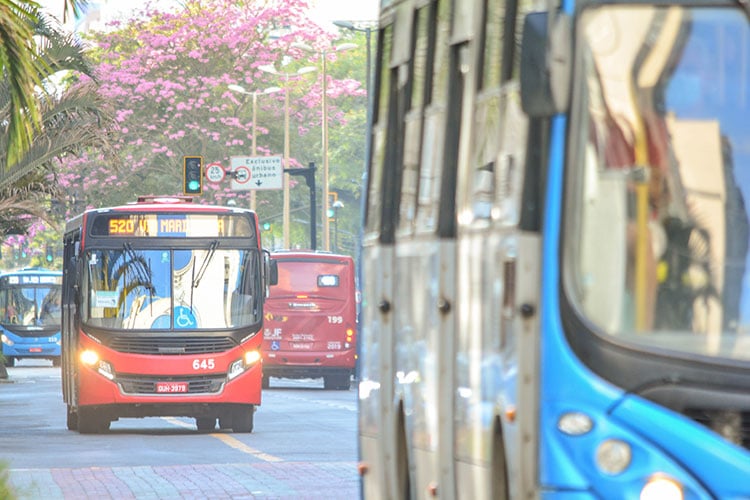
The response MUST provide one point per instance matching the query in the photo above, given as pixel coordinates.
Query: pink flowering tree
(167, 75)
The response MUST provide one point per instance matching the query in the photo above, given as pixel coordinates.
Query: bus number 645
(204, 364)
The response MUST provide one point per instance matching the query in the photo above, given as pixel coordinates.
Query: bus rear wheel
(340, 382)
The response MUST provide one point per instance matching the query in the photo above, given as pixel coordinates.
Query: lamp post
(285, 212)
(241, 90)
(367, 30)
(324, 128)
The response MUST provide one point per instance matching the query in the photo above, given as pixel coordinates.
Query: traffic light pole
(309, 175)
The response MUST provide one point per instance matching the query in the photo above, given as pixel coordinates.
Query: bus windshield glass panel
(30, 300)
(317, 278)
(657, 250)
(171, 289)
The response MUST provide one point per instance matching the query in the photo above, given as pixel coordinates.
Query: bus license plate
(171, 387)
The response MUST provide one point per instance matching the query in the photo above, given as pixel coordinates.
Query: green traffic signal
(266, 226)
(192, 169)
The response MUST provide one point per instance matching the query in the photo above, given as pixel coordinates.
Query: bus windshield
(322, 278)
(30, 305)
(659, 250)
(171, 289)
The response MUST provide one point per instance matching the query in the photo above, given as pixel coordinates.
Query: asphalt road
(303, 446)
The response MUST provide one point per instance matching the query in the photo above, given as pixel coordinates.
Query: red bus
(162, 309)
(311, 319)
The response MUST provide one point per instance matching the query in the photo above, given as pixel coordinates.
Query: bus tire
(72, 420)
(345, 383)
(499, 487)
(56, 361)
(9, 361)
(338, 382)
(242, 418)
(403, 479)
(205, 423)
(225, 421)
(265, 382)
(91, 423)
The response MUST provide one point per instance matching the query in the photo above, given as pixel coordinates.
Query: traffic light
(266, 226)
(192, 175)
(332, 199)
(50, 257)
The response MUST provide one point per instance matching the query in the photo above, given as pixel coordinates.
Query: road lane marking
(229, 441)
(239, 445)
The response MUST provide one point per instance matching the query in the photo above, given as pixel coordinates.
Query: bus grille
(139, 384)
(171, 345)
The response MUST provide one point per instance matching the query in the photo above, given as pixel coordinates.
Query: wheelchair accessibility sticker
(184, 318)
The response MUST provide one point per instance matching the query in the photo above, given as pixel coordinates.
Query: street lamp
(269, 68)
(367, 30)
(241, 90)
(324, 127)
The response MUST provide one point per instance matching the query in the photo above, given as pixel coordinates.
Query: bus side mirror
(546, 48)
(273, 275)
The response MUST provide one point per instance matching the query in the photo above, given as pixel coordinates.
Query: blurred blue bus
(30, 314)
(556, 251)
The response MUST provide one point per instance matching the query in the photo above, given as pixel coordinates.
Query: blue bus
(556, 266)
(30, 314)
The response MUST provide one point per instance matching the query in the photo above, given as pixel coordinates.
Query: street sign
(215, 172)
(255, 173)
(242, 175)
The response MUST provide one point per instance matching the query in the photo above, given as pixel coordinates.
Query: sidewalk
(286, 480)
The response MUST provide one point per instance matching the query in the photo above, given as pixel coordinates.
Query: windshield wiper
(204, 265)
(202, 270)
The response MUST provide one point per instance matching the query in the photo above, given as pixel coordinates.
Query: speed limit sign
(215, 172)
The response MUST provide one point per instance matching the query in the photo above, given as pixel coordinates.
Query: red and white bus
(162, 310)
(311, 319)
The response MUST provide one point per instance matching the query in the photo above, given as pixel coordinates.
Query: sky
(325, 11)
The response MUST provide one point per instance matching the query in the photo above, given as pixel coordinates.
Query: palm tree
(22, 69)
(69, 122)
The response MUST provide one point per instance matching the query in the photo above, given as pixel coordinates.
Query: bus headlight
(105, 370)
(575, 423)
(613, 456)
(89, 357)
(661, 488)
(239, 366)
(6, 340)
(252, 357)
(236, 368)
